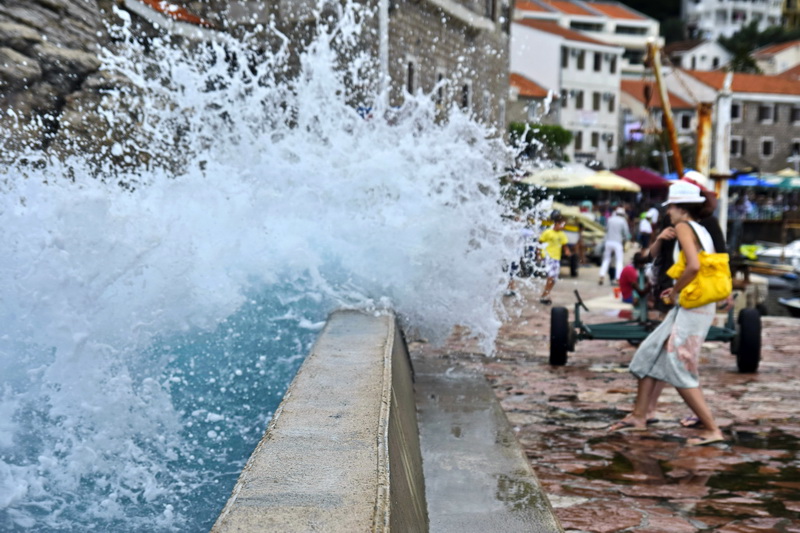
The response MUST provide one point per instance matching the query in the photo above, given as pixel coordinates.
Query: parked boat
(792, 304)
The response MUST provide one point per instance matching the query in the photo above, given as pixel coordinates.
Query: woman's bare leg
(638, 418)
(697, 403)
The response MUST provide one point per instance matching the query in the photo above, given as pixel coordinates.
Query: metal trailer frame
(744, 335)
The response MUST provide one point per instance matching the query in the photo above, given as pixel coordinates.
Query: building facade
(764, 115)
(697, 54)
(584, 73)
(711, 19)
(605, 21)
(778, 58)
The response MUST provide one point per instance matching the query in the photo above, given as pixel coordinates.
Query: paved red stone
(645, 481)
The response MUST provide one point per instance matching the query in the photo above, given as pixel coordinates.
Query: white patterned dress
(670, 353)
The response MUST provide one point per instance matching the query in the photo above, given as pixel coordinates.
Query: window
(765, 112)
(598, 61)
(564, 98)
(466, 95)
(596, 101)
(613, 64)
(410, 81)
(440, 88)
(630, 30)
(581, 59)
(578, 140)
(715, 63)
(578, 99)
(694, 63)
(564, 57)
(610, 103)
(794, 148)
(794, 115)
(595, 139)
(609, 137)
(686, 121)
(491, 9)
(736, 112)
(585, 26)
(767, 146)
(737, 146)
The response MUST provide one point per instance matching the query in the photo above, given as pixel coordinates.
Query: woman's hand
(668, 234)
(669, 296)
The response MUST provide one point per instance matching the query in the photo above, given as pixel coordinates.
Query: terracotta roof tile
(527, 88)
(636, 89)
(554, 28)
(682, 46)
(792, 74)
(524, 5)
(774, 48)
(176, 12)
(749, 83)
(616, 11)
(570, 8)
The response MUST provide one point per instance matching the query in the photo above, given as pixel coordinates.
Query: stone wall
(48, 63)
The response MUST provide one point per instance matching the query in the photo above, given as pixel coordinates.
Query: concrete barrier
(342, 452)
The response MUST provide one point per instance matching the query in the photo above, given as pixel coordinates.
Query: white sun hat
(697, 178)
(683, 192)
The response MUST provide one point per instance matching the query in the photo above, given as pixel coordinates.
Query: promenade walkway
(648, 481)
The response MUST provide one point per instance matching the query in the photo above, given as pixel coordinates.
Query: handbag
(712, 283)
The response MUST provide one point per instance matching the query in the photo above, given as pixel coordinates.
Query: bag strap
(696, 237)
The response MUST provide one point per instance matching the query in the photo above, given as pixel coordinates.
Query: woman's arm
(686, 238)
(667, 234)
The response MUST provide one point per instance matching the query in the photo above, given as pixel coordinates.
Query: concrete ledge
(342, 452)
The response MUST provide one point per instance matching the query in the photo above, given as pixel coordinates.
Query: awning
(646, 179)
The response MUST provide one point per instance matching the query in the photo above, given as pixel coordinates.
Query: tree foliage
(742, 43)
(540, 140)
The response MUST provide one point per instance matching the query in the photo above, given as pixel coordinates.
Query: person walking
(671, 352)
(554, 242)
(617, 232)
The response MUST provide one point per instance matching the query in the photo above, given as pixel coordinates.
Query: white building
(586, 74)
(609, 22)
(710, 19)
(778, 58)
(697, 54)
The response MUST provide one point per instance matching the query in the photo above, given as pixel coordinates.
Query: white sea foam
(125, 367)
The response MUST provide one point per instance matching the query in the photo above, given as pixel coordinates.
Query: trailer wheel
(572, 339)
(574, 261)
(748, 351)
(559, 335)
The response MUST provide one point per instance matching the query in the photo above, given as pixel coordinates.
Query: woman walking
(670, 353)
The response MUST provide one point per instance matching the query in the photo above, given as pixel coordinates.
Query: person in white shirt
(645, 231)
(617, 232)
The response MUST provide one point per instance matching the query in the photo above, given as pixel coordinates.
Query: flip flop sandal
(698, 441)
(624, 426)
(691, 422)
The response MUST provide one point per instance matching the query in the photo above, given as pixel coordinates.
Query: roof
(570, 8)
(792, 74)
(636, 88)
(552, 27)
(644, 178)
(682, 46)
(616, 10)
(748, 83)
(525, 5)
(774, 48)
(527, 87)
(175, 12)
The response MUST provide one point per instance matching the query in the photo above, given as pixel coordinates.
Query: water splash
(151, 328)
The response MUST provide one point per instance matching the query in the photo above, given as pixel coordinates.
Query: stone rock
(17, 71)
(18, 37)
(599, 517)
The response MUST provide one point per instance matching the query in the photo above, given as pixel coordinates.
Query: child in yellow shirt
(554, 241)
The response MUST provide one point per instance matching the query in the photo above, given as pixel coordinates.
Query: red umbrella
(644, 178)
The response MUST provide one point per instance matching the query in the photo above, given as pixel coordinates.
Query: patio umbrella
(749, 180)
(559, 178)
(788, 173)
(644, 178)
(608, 181)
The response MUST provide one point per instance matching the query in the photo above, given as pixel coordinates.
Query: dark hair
(709, 206)
(639, 259)
(695, 210)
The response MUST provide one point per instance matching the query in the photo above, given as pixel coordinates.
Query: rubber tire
(559, 335)
(748, 354)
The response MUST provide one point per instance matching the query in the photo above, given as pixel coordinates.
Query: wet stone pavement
(645, 481)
